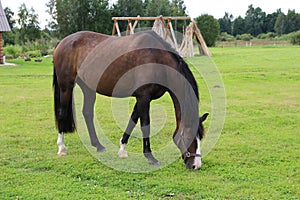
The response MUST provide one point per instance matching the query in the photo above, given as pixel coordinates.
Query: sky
(195, 8)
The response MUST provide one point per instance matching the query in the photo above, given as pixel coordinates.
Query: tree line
(256, 22)
(69, 16)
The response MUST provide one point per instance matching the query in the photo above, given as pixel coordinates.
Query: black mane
(183, 67)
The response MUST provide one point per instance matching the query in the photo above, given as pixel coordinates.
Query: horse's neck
(185, 117)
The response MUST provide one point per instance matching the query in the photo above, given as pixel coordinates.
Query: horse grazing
(142, 65)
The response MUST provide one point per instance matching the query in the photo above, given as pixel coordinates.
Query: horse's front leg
(62, 150)
(143, 106)
(88, 113)
(124, 140)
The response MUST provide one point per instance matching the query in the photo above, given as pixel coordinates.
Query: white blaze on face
(197, 160)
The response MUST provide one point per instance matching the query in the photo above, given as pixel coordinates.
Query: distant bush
(12, 51)
(33, 54)
(295, 38)
(225, 37)
(269, 35)
(41, 47)
(244, 37)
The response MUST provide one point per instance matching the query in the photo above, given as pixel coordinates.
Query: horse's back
(132, 58)
(72, 51)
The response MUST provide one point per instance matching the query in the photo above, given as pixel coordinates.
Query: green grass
(256, 157)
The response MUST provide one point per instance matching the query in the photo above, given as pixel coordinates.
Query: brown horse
(142, 65)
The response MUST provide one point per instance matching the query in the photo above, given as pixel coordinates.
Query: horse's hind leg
(89, 97)
(124, 140)
(65, 121)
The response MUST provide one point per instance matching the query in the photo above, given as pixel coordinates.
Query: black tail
(63, 114)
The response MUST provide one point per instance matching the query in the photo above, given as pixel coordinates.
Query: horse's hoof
(151, 159)
(101, 150)
(63, 153)
(154, 162)
(122, 154)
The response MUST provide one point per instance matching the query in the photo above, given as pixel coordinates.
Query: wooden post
(116, 28)
(172, 33)
(130, 28)
(203, 49)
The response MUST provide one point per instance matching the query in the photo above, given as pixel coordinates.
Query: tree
(29, 24)
(209, 27)
(254, 20)
(69, 16)
(280, 24)
(238, 26)
(159, 7)
(293, 21)
(127, 8)
(52, 11)
(226, 23)
(178, 8)
(10, 17)
(8, 37)
(287, 23)
(270, 20)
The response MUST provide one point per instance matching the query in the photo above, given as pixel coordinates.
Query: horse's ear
(203, 118)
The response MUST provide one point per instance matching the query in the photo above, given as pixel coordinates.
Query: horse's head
(189, 144)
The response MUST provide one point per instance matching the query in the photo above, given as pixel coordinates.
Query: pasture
(257, 155)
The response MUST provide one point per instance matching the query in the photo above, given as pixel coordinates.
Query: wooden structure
(187, 47)
(160, 26)
(163, 27)
(4, 27)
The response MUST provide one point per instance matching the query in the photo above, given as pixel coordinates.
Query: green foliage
(33, 54)
(244, 37)
(29, 24)
(269, 35)
(127, 8)
(295, 38)
(238, 26)
(226, 37)
(70, 16)
(226, 23)
(13, 51)
(209, 27)
(287, 23)
(254, 20)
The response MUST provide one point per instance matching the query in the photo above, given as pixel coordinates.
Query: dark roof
(4, 26)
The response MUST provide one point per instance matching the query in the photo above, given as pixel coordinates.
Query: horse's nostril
(194, 167)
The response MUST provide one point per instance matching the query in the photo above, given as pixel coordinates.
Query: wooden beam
(151, 18)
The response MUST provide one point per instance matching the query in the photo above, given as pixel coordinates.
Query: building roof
(4, 26)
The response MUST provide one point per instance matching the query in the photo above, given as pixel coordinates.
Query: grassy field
(256, 157)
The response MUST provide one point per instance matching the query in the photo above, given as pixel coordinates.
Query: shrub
(269, 35)
(295, 38)
(225, 37)
(13, 51)
(33, 54)
(244, 37)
